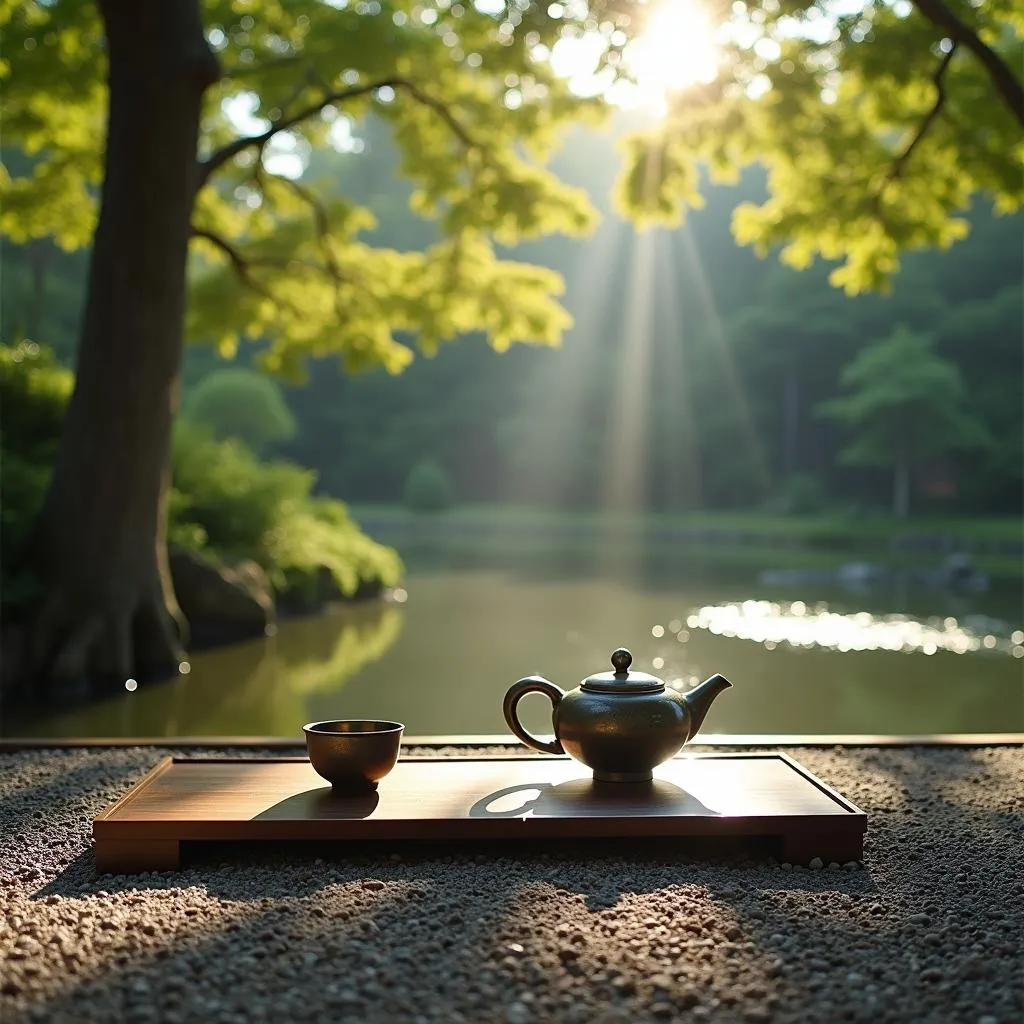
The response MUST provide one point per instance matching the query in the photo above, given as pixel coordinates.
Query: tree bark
(100, 547)
(901, 484)
(791, 416)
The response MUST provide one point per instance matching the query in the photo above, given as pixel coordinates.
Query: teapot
(621, 724)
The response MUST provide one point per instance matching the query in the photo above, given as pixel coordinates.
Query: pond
(804, 657)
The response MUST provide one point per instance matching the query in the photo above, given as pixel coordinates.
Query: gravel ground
(929, 929)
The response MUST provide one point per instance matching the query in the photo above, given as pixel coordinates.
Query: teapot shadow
(588, 798)
(322, 802)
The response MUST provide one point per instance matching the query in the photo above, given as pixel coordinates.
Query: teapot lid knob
(621, 660)
(622, 680)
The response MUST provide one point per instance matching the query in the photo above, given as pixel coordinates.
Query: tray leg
(131, 856)
(801, 849)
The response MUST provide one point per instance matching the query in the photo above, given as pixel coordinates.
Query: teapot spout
(699, 699)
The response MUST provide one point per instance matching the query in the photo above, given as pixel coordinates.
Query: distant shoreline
(994, 545)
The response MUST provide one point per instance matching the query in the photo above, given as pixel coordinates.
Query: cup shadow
(322, 802)
(586, 798)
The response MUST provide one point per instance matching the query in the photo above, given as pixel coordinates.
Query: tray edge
(824, 787)
(163, 765)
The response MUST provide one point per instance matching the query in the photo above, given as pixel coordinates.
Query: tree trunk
(901, 486)
(101, 552)
(791, 430)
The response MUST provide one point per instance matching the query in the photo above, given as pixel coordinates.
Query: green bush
(224, 502)
(230, 504)
(242, 404)
(801, 495)
(34, 394)
(428, 488)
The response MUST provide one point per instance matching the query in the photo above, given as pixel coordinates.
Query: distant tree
(243, 404)
(905, 405)
(876, 125)
(428, 487)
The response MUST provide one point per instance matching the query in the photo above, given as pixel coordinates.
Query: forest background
(739, 356)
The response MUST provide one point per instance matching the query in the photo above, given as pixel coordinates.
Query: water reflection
(820, 661)
(772, 623)
(260, 688)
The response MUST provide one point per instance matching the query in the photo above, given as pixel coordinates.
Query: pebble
(518, 1013)
(925, 929)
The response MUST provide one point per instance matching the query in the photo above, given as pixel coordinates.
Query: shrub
(232, 505)
(801, 495)
(224, 502)
(240, 403)
(34, 394)
(428, 487)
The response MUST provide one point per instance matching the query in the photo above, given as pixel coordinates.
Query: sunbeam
(719, 344)
(674, 387)
(556, 433)
(626, 479)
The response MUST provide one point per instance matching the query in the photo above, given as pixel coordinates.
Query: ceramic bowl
(353, 755)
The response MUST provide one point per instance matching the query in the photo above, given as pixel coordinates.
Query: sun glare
(676, 49)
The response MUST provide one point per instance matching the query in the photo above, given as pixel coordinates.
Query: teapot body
(620, 724)
(622, 738)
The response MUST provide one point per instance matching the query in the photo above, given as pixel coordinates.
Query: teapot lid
(622, 680)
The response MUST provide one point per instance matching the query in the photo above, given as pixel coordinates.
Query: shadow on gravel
(636, 929)
(436, 933)
(219, 867)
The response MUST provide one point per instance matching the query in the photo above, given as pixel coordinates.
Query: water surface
(803, 659)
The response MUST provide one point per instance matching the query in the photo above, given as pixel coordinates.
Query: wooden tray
(261, 799)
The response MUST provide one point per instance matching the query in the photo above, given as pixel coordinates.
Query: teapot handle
(516, 692)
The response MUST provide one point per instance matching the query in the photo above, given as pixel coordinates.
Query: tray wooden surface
(528, 797)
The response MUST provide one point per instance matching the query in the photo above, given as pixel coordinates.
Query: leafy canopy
(876, 123)
(903, 398)
(472, 102)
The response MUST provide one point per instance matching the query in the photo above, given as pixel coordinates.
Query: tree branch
(239, 263)
(321, 222)
(243, 266)
(1001, 74)
(268, 67)
(896, 169)
(929, 118)
(283, 123)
